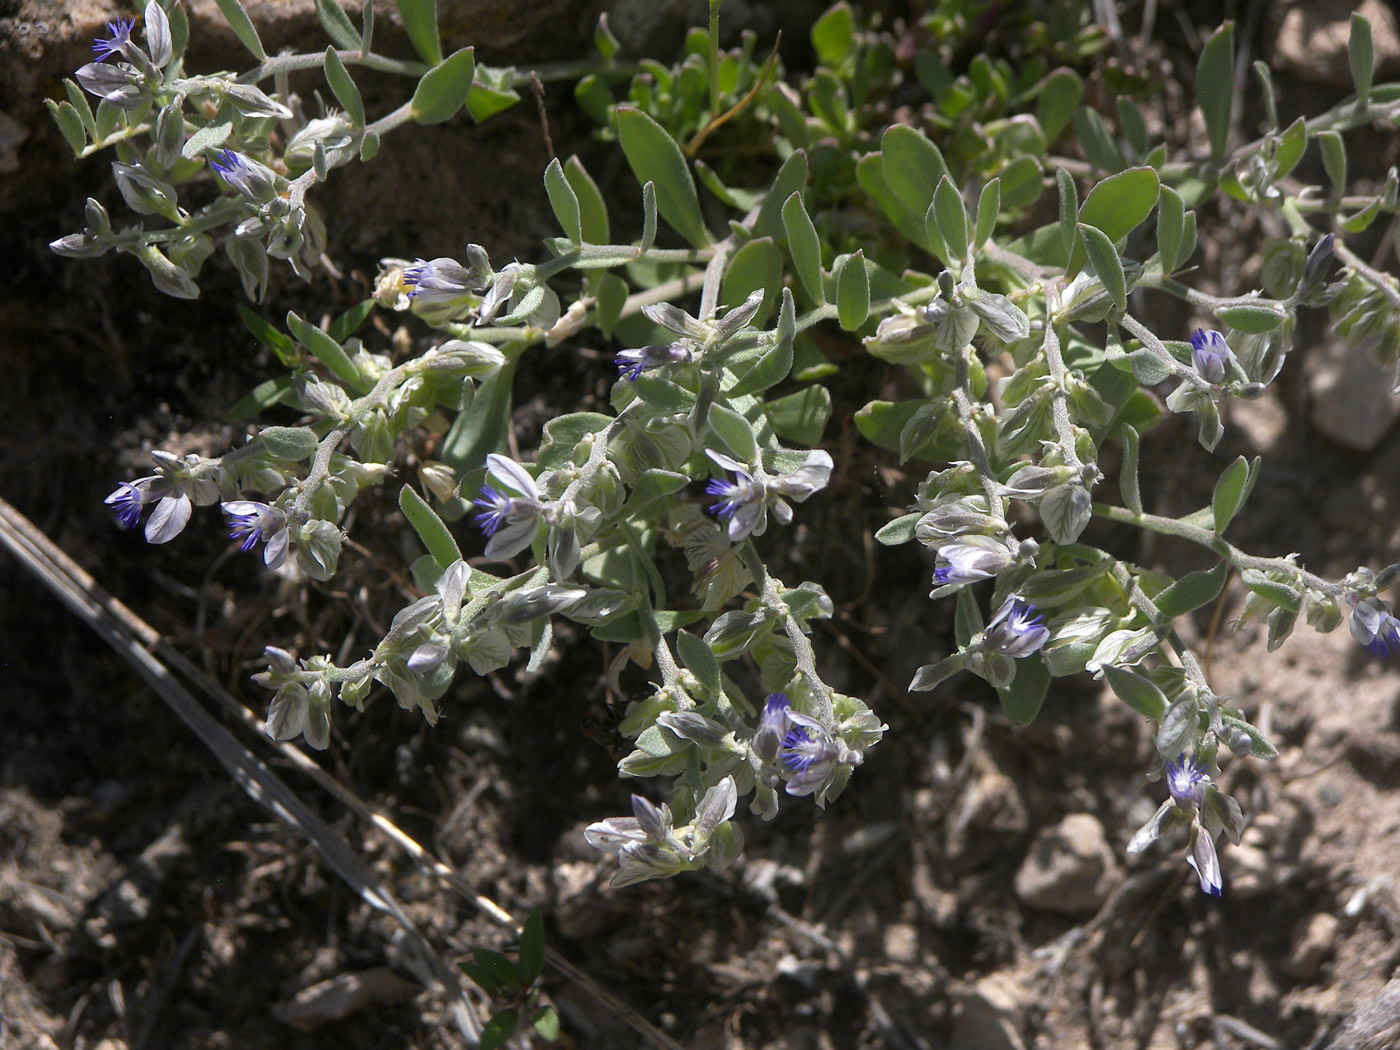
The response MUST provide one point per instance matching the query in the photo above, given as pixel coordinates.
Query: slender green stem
(1059, 396)
(1210, 540)
(714, 58)
(1149, 339)
(1383, 283)
(803, 654)
(976, 451)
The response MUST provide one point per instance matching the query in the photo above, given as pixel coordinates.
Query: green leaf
(699, 660)
(1120, 202)
(1235, 484)
(481, 431)
(663, 394)
(912, 166)
(1260, 745)
(1193, 590)
(804, 246)
(648, 215)
(78, 99)
(1257, 317)
(967, 618)
(831, 35)
(564, 201)
(1215, 86)
(774, 366)
(988, 207)
(242, 27)
(1178, 726)
(430, 528)
(654, 157)
(1021, 182)
(1357, 223)
(654, 484)
(899, 531)
(546, 1023)
(1128, 472)
(290, 443)
(344, 325)
(800, 417)
(65, 115)
(501, 1027)
(444, 88)
(1022, 699)
(1171, 226)
(757, 265)
(612, 295)
(1292, 144)
(337, 25)
(1139, 693)
(594, 98)
(951, 216)
(735, 431)
(1134, 127)
(211, 136)
(1060, 94)
(326, 350)
(344, 87)
(1361, 55)
(1107, 265)
(852, 292)
(1334, 159)
(593, 212)
(270, 337)
(1097, 141)
(419, 19)
(1069, 209)
(485, 100)
(263, 396)
(531, 957)
(791, 177)
(1280, 594)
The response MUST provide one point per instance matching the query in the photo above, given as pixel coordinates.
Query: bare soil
(147, 902)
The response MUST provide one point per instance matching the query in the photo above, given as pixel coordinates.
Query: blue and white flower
(632, 363)
(1211, 355)
(252, 523)
(253, 180)
(1016, 630)
(1373, 625)
(512, 509)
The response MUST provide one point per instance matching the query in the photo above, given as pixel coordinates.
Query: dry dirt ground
(146, 902)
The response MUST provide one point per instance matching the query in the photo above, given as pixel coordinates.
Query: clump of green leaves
(514, 985)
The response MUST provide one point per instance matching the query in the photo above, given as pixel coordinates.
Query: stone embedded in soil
(1069, 868)
(338, 998)
(1350, 397)
(1314, 941)
(989, 1018)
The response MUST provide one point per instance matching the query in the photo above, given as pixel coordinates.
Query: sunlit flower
(252, 523)
(1210, 355)
(1016, 630)
(117, 41)
(1373, 626)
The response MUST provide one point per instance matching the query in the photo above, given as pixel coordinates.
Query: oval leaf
(654, 157)
(444, 88)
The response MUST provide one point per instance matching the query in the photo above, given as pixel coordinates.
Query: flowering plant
(1020, 345)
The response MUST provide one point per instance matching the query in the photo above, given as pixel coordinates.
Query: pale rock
(333, 1000)
(990, 1017)
(1069, 868)
(1314, 941)
(1351, 399)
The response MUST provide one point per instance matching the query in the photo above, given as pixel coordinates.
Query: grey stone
(1069, 867)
